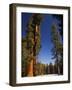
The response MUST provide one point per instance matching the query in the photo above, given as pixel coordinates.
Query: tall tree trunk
(34, 67)
(30, 68)
(34, 48)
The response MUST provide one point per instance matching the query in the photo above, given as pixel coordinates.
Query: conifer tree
(57, 49)
(33, 42)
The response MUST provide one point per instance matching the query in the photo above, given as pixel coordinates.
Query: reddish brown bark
(30, 68)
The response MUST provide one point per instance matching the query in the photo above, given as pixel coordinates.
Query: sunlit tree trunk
(34, 49)
(32, 64)
(34, 67)
(33, 28)
(30, 68)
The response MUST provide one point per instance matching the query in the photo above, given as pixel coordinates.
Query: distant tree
(40, 68)
(56, 67)
(50, 68)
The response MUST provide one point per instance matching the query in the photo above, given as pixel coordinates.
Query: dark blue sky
(45, 53)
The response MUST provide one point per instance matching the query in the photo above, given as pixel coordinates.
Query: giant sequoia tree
(57, 49)
(32, 41)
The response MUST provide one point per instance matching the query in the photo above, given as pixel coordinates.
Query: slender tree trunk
(53, 70)
(58, 70)
(58, 66)
(48, 69)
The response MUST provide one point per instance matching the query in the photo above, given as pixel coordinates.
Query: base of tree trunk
(30, 69)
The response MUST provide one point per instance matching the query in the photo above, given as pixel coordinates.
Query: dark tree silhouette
(60, 24)
(57, 46)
